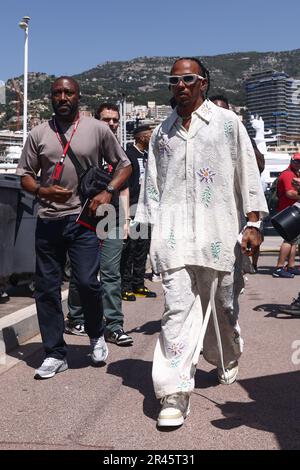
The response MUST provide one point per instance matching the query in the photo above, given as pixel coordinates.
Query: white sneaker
(231, 373)
(156, 278)
(119, 337)
(175, 408)
(75, 329)
(50, 367)
(99, 350)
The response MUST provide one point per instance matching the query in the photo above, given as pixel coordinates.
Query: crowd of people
(189, 193)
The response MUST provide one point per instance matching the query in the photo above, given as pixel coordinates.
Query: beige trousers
(187, 295)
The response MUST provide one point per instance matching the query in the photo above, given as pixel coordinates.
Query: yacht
(10, 150)
(8, 137)
(275, 163)
(12, 154)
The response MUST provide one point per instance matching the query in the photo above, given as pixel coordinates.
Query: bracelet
(128, 219)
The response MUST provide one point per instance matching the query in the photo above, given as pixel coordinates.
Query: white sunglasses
(188, 79)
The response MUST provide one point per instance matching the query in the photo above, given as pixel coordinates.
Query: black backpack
(272, 197)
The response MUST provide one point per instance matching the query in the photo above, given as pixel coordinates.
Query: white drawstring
(211, 308)
(217, 328)
(202, 332)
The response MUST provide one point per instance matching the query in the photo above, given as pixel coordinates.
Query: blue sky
(68, 37)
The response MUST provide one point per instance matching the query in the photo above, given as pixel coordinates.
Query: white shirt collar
(204, 111)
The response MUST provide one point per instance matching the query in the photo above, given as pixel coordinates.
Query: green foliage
(145, 79)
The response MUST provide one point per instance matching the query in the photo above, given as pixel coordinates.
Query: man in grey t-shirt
(57, 232)
(111, 252)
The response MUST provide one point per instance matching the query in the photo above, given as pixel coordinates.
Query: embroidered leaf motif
(184, 382)
(171, 242)
(216, 250)
(206, 175)
(206, 196)
(228, 128)
(175, 363)
(163, 145)
(153, 193)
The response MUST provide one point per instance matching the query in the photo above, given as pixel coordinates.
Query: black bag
(92, 180)
(272, 197)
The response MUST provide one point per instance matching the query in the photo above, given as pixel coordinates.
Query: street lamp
(24, 25)
(124, 122)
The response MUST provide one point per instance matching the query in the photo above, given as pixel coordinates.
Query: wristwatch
(110, 189)
(258, 225)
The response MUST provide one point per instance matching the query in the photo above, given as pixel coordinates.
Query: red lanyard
(66, 148)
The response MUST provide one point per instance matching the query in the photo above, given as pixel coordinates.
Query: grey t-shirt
(92, 142)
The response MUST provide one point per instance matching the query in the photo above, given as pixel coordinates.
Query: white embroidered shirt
(197, 184)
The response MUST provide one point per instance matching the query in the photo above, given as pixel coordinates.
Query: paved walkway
(113, 407)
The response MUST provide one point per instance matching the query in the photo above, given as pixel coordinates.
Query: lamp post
(122, 111)
(124, 122)
(120, 129)
(24, 25)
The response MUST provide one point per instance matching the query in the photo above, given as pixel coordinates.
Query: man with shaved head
(57, 232)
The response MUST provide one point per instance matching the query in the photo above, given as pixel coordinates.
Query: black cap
(143, 128)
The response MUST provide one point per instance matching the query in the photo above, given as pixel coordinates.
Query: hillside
(144, 79)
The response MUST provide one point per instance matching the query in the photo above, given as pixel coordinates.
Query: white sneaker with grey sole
(156, 278)
(231, 373)
(175, 408)
(50, 367)
(75, 329)
(99, 350)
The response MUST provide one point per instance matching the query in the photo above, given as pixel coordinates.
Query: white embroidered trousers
(187, 295)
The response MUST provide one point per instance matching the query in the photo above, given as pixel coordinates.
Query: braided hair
(204, 70)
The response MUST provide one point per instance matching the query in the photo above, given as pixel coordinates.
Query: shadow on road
(205, 379)
(149, 328)
(33, 355)
(265, 270)
(137, 374)
(274, 311)
(275, 408)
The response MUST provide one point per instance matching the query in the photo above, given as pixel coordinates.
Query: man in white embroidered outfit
(201, 174)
